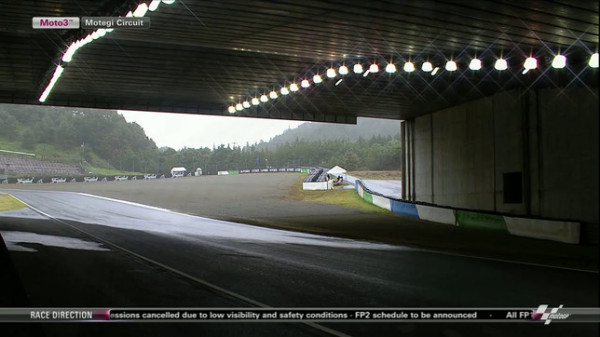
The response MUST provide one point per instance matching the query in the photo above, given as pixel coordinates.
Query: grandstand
(25, 166)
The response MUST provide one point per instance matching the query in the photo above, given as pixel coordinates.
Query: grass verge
(110, 172)
(340, 197)
(9, 203)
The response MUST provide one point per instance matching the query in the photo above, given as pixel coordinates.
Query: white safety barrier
(564, 231)
(90, 179)
(315, 186)
(436, 214)
(121, 178)
(24, 180)
(382, 202)
(58, 180)
(149, 176)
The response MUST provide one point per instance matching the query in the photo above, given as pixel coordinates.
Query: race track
(95, 252)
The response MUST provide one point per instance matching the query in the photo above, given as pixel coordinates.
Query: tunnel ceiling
(204, 57)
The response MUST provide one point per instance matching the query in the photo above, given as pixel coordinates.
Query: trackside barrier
(555, 230)
(317, 179)
(480, 220)
(436, 214)
(563, 231)
(50, 179)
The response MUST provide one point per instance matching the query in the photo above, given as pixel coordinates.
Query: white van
(198, 172)
(178, 172)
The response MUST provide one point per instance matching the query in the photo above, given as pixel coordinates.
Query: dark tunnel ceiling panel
(202, 56)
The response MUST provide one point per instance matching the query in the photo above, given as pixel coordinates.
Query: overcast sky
(194, 131)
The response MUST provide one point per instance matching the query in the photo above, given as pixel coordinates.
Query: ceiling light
(366, 73)
(594, 60)
(451, 66)
(339, 81)
(427, 66)
(55, 76)
(239, 107)
(68, 55)
(246, 104)
(358, 69)
(293, 87)
(409, 67)
(501, 64)
(317, 78)
(168, 2)
(154, 5)
(255, 101)
(284, 91)
(231, 109)
(129, 14)
(273, 94)
(141, 10)
(530, 63)
(390, 68)
(435, 70)
(374, 68)
(264, 98)
(343, 70)
(475, 64)
(331, 73)
(305, 84)
(559, 62)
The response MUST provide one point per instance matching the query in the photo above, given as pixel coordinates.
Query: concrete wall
(549, 137)
(568, 170)
(424, 162)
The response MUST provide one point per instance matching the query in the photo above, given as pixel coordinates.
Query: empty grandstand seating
(17, 165)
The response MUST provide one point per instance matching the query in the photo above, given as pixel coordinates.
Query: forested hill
(365, 128)
(103, 140)
(96, 138)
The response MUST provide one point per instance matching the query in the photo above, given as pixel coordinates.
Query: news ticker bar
(542, 314)
(88, 22)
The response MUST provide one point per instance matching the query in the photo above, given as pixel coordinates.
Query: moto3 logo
(55, 23)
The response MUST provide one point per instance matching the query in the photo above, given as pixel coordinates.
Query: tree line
(105, 139)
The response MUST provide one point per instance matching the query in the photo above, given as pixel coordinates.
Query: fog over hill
(365, 128)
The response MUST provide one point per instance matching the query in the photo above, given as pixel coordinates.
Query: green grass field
(9, 203)
(346, 198)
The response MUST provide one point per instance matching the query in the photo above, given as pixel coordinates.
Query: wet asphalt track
(273, 267)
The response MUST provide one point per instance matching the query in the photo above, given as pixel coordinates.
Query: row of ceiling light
(559, 62)
(139, 12)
